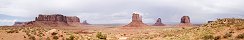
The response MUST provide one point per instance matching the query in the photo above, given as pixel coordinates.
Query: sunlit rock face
(55, 20)
(159, 23)
(136, 21)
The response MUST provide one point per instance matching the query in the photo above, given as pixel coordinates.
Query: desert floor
(90, 32)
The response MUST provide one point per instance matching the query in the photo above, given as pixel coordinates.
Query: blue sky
(119, 11)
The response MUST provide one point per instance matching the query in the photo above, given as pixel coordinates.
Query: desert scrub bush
(54, 33)
(55, 37)
(48, 38)
(217, 37)
(227, 35)
(240, 36)
(13, 31)
(101, 36)
(32, 38)
(71, 37)
(208, 37)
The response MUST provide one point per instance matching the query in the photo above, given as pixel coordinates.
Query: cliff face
(54, 17)
(159, 23)
(55, 20)
(73, 20)
(136, 21)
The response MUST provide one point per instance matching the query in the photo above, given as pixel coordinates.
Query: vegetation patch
(101, 36)
(240, 36)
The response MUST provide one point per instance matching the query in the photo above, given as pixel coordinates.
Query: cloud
(119, 11)
(7, 21)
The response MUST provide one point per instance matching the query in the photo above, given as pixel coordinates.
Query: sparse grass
(13, 31)
(227, 35)
(208, 37)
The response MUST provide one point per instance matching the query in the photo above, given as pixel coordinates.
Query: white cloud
(6, 21)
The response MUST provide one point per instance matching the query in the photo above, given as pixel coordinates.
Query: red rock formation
(20, 23)
(73, 20)
(159, 23)
(185, 21)
(85, 23)
(55, 20)
(136, 21)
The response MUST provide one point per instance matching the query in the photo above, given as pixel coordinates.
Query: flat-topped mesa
(136, 21)
(185, 21)
(159, 23)
(51, 17)
(55, 20)
(20, 23)
(73, 20)
(85, 23)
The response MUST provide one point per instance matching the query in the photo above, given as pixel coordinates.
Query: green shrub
(240, 36)
(207, 37)
(101, 36)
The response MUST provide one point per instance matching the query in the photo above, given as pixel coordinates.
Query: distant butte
(55, 20)
(159, 23)
(136, 21)
(185, 21)
(20, 23)
(85, 23)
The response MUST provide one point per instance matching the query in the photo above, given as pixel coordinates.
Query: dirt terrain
(221, 29)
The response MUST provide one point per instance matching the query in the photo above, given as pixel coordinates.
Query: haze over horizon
(120, 11)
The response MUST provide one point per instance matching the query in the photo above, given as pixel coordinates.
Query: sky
(120, 11)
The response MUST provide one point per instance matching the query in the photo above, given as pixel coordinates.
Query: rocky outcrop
(136, 21)
(185, 21)
(210, 21)
(55, 20)
(20, 23)
(85, 23)
(159, 23)
(73, 20)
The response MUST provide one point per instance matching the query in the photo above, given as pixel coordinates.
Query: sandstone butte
(85, 23)
(159, 23)
(136, 21)
(54, 20)
(185, 21)
(20, 23)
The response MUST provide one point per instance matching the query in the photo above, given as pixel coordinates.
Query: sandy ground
(112, 32)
